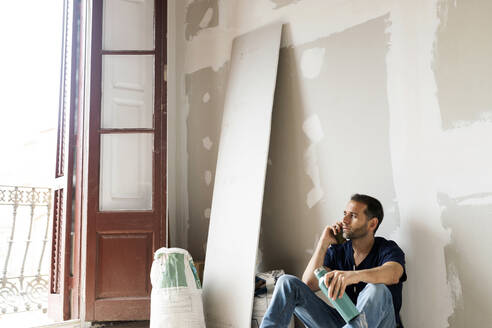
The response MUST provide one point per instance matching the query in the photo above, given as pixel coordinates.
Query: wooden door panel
(121, 222)
(56, 242)
(60, 284)
(126, 204)
(115, 309)
(122, 264)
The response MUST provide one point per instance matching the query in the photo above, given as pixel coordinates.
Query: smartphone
(339, 237)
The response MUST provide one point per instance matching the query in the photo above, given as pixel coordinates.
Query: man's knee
(377, 291)
(287, 280)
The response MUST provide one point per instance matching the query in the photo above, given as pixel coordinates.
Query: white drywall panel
(240, 178)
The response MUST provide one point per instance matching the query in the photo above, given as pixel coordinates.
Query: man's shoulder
(340, 248)
(385, 243)
(389, 248)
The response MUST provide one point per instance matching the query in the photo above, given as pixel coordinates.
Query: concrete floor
(122, 324)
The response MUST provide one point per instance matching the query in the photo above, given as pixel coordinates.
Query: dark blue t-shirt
(341, 257)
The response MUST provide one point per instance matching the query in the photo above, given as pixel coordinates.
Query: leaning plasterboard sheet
(240, 178)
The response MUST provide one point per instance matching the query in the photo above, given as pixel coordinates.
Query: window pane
(126, 172)
(128, 25)
(127, 91)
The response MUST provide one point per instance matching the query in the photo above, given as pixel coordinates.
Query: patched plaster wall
(326, 142)
(384, 97)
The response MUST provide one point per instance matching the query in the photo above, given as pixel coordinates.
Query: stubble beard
(360, 232)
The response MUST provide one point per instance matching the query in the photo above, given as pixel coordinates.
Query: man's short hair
(373, 207)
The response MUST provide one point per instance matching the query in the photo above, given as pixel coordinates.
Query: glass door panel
(128, 25)
(126, 172)
(127, 91)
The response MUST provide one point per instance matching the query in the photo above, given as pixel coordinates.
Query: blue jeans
(292, 296)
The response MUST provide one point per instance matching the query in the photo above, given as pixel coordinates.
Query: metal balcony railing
(25, 215)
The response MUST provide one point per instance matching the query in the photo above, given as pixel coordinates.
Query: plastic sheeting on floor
(176, 298)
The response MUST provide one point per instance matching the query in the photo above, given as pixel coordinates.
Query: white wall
(384, 97)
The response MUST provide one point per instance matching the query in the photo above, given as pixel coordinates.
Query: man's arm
(316, 261)
(389, 274)
(327, 238)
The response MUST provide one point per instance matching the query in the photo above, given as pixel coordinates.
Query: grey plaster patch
(468, 258)
(350, 98)
(463, 62)
(201, 14)
(204, 119)
(283, 3)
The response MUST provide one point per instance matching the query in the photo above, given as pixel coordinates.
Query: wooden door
(61, 282)
(127, 155)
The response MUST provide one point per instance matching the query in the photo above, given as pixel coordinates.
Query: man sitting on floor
(371, 270)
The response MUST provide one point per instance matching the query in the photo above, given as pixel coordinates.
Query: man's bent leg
(375, 304)
(291, 296)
